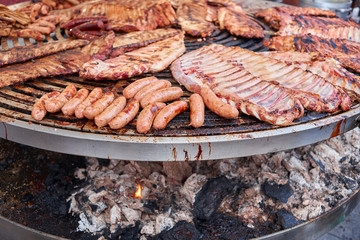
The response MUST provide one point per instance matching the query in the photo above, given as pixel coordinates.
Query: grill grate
(16, 101)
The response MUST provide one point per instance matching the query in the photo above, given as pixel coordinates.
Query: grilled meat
(58, 64)
(131, 41)
(128, 15)
(152, 58)
(239, 24)
(346, 52)
(25, 53)
(273, 16)
(328, 68)
(313, 91)
(264, 100)
(192, 15)
(100, 48)
(320, 26)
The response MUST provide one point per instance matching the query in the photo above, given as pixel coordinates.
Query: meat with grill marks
(25, 53)
(58, 64)
(131, 41)
(152, 58)
(313, 91)
(127, 15)
(206, 68)
(345, 51)
(328, 68)
(320, 26)
(192, 17)
(273, 16)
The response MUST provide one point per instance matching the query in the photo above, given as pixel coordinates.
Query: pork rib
(345, 51)
(314, 92)
(58, 64)
(273, 16)
(152, 58)
(25, 53)
(131, 41)
(265, 101)
(328, 68)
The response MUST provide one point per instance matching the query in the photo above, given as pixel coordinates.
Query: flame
(138, 192)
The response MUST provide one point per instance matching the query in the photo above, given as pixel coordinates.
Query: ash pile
(233, 199)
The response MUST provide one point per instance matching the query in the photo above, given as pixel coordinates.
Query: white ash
(321, 176)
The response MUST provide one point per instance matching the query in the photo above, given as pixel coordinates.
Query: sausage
(99, 106)
(69, 107)
(216, 105)
(82, 35)
(126, 115)
(133, 88)
(78, 21)
(110, 112)
(162, 95)
(94, 95)
(54, 105)
(168, 113)
(151, 88)
(35, 11)
(197, 110)
(39, 111)
(147, 115)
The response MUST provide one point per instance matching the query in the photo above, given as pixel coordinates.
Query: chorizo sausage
(78, 21)
(39, 111)
(94, 95)
(147, 115)
(69, 107)
(54, 105)
(133, 88)
(151, 88)
(162, 95)
(110, 112)
(99, 106)
(126, 115)
(168, 113)
(217, 106)
(197, 110)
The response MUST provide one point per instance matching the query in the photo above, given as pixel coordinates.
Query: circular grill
(58, 132)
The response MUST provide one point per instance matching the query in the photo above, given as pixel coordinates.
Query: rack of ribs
(345, 51)
(328, 68)
(264, 100)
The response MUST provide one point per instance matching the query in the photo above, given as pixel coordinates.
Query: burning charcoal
(151, 206)
(349, 183)
(129, 233)
(286, 219)
(104, 162)
(27, 197)
(280, 192)
(181, 231)
(210, 196)
(177, 170)
(226, 227)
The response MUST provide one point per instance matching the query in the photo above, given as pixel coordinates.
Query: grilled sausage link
(168, 113)
(217, 106)
(152, 88)
(133, 88)
(147, 115)
(99, 106)
(79, 21)
(94, 95)
(126, 115)
(69, 107)
(197, 110)
(39, 111)
(110, 112)
(162, 95)
(54, 105)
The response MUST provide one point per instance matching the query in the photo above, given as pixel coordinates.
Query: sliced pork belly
(263, 100)
(152, 58)
(313, 91)
(328, 68)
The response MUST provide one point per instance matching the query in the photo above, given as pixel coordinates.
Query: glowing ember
(138, 192)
